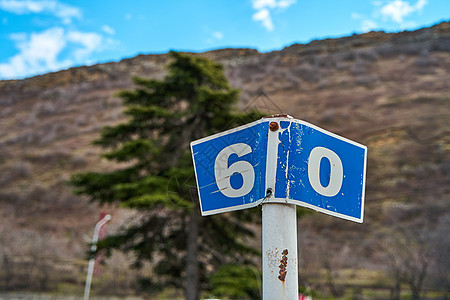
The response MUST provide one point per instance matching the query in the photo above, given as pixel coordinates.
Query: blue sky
(38, 37)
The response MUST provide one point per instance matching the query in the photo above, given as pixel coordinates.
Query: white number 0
(223, 173)
(336, 175)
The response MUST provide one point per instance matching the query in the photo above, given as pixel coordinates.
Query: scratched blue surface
(296, 143)
(205, 154)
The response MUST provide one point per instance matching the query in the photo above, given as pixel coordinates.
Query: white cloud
(285, 3)
(397, 10)
(63, 11)
(213, 36)
(260, 4)
(421, 4)
(217, 35)
(109, 30)
(18, 37)
(22, 7)
(87, 43)
(263, 16)
(368, 25)
(38, 53)
(263, 9)
(52, 49)
(42, 52)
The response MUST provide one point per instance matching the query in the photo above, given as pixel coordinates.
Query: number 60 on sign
(306, 165)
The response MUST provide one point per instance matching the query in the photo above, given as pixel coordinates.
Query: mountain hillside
(389, 91)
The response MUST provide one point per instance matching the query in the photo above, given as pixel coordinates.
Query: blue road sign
(302, 164)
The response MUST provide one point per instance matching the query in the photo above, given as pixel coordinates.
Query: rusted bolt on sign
(283, 265)
(273, 126)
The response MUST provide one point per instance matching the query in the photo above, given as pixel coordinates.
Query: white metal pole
(279, 231)
(90, 271)
(279, 256)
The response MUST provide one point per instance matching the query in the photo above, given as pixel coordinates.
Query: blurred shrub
(236, 282)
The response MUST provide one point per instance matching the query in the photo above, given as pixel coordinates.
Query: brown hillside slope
(387, 91)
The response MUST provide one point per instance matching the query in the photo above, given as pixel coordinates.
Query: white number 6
(223, 173)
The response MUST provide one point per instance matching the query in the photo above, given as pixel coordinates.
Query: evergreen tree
(192, 101)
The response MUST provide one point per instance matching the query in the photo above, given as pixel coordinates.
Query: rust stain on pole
(283, 265)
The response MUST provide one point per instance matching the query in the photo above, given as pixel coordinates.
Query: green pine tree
(194, 100)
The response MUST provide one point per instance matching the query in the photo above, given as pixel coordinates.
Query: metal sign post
(98, 226)
(279, 251)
